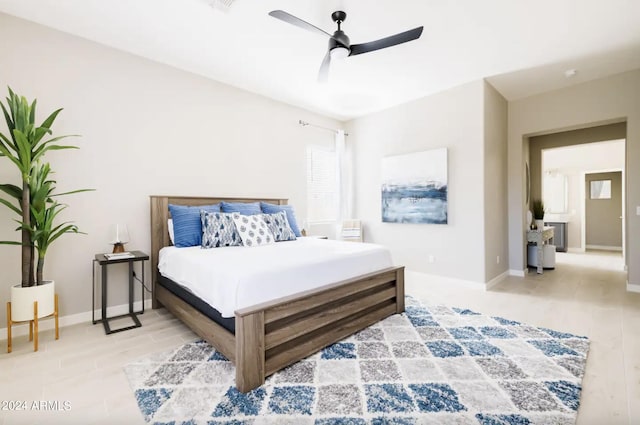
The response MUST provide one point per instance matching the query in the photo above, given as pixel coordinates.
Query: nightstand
(103, 261)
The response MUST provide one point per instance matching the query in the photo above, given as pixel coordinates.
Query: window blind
(322, 184)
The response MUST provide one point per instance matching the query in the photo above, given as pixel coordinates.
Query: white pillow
(253, 230)
(170, 226)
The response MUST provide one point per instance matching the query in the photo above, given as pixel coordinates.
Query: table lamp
(120, 236)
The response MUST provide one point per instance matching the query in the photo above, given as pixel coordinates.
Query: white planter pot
(22, 299)
(540, 224)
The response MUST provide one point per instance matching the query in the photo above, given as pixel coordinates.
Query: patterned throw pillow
(218, 229)
(253, 230)
(279, 226)
(291, 215)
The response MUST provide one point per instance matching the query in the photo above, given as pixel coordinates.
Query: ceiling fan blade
(293, 20)
(403, 37)
(323, 74)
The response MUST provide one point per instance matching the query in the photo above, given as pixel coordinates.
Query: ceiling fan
(340, 46)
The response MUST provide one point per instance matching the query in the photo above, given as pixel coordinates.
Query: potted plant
(25, 146)
(44, 210)
(538, 213)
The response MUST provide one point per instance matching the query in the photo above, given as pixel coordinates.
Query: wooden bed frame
(275, 334)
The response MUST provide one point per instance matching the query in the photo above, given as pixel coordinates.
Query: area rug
(429, 365)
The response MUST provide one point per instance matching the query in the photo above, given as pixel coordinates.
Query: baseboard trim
(471, 284)
(493, 282)
(518, 273)
(633, 287)
(448, 280)
(73, 319)
(576, 250)
(605, 248)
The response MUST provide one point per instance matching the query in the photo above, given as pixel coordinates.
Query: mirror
(527, 183)
(556, 192)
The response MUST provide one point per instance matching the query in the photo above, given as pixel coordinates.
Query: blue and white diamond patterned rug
(429, 365)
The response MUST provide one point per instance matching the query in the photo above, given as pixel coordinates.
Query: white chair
(351, 231)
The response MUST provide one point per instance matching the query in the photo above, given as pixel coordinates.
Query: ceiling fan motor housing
(339, 39)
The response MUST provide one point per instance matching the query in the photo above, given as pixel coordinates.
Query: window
(601, 189)
(322, 184)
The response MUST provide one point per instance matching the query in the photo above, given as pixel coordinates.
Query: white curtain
(344, 179)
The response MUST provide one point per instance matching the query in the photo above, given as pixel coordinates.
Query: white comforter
(232, 278)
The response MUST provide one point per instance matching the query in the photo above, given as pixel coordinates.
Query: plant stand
(33, 324)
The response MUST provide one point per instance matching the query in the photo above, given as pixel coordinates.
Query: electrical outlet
(432, 259)
(637, 210)
(498, 259)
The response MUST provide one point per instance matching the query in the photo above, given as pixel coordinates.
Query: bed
(265, 337)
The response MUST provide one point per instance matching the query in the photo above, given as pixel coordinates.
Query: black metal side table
(104, 262)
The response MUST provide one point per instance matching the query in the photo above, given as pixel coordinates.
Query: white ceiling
(523, 46)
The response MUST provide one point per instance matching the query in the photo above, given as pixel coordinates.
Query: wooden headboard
(159, 208)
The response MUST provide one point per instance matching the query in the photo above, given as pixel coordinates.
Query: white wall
(146, 129)
(453, 119)
(597, 102)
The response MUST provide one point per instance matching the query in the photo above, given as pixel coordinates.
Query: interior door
(603, 210)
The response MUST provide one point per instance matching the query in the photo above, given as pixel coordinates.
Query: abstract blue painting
(414, 187)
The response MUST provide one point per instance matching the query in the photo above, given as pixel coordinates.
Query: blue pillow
(251, 208)
(291, 216)
(187, 225)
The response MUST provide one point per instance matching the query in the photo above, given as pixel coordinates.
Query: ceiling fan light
(339, 52)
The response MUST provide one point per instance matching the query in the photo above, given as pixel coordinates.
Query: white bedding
(232, 278)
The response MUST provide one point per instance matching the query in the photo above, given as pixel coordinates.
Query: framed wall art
(414, 187)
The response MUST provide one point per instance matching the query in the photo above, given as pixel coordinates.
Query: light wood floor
(584, 295)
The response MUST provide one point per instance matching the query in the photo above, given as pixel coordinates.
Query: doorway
(603, 211)
(565, 190)
(566, 157)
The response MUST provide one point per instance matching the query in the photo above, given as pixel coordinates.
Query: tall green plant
(24, 146)
(44, 210)
(538, 209)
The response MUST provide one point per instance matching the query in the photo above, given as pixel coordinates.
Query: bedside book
(118, 255)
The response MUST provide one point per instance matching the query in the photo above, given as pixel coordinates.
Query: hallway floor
(602, 260)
